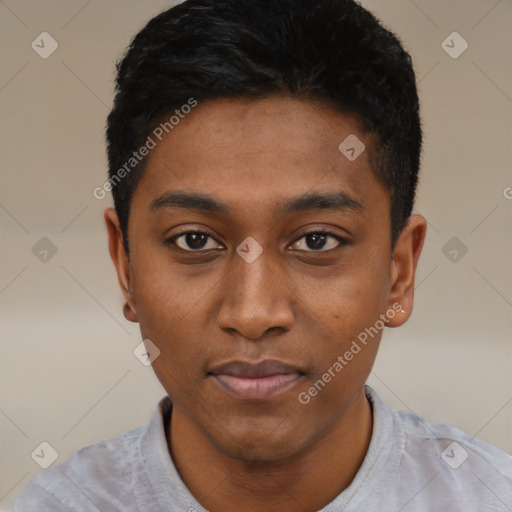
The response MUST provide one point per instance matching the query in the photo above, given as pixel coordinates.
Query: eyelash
(342, 241)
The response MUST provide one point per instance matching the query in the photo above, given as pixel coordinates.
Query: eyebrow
(334, 201)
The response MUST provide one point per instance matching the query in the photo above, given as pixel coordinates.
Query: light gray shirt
(412, 465)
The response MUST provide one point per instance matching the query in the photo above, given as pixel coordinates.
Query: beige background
(67, 372)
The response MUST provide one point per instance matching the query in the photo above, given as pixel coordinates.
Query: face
(258, 254)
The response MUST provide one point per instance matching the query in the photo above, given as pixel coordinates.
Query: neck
(305, 481)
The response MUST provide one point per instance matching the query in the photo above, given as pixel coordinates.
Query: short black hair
(329, 50)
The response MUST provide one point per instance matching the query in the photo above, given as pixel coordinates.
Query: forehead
(261, 152)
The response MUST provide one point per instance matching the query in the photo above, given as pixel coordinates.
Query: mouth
(259, 381)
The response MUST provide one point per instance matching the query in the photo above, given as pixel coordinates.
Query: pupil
(318, 241)
(195, 240)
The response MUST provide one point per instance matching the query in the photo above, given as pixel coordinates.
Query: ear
(121, 262)
(403, 269)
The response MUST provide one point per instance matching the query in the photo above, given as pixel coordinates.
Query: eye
(198, 241)
(317, 240)
(193, 241)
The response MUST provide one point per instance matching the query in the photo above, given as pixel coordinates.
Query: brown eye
(193, 241)
(319, 241)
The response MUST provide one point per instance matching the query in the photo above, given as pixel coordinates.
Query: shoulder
(96, 475)
(453, 442)
(420, 465)
(457, 463)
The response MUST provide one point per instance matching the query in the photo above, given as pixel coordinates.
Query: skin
(298, 302)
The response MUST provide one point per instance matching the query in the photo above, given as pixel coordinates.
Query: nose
(256, 299)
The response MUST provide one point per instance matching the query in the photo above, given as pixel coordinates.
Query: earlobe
(403, 269)
(120, 261)
(129, 313)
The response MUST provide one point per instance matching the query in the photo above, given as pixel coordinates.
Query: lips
(258, 381)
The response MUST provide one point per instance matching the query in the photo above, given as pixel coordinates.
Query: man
(263, 158)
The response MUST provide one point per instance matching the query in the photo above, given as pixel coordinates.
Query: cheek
(348, 301)
(165, 310)
(179, 366)
(162, 298)
(345, 309)
(175, 312)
